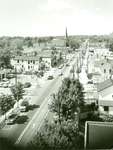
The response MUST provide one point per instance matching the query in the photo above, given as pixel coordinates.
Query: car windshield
(12, 116)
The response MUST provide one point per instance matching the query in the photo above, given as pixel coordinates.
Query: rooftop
(103, 85)
(26, 58)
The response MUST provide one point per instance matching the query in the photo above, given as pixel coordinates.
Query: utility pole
(77, 70)
(73, 72)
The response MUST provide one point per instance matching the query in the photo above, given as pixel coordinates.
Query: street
(23, 133)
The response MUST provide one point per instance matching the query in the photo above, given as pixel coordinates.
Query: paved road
(23, 133)
(34, 125)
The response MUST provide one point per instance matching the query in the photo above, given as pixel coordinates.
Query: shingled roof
(103, 85)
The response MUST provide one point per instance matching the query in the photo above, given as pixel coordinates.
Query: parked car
(67, 64)
(50, 77)
(61, 74)
(22, 108)
(5, 85)
(90, 82)
(1, 84)
(10, 85)
(61, 66)
(27, 85)
(10, 76)
(12, 118)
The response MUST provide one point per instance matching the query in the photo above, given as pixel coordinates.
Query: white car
(5, 85)
(12, 118)
(10, 85)
(22, 108)
(1, 84)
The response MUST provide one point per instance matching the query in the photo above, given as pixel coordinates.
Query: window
(28, 67)
(17, 61)
(104, 70)
(22, 61)
(22, 66)
(109, 70)
(33, 61)
(28, 62)
(106, 108)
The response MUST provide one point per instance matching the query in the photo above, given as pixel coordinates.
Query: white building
(31, 63)
(25, 63)
(105, 96)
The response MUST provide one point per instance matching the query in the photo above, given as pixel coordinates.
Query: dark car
(50, 77)
(90, 82)
(27, 85)
(12, 118)
(10, 76)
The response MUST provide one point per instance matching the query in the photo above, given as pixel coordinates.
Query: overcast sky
(50, 17)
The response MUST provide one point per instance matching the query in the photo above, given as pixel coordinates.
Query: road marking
(22, 134)
(29, 124)
(33, 125)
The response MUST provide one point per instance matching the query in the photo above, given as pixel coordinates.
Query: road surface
(21, 134)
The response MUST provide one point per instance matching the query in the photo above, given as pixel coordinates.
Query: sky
(51, 17)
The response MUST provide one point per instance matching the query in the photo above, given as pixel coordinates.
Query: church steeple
(66, 33)
(66, 38)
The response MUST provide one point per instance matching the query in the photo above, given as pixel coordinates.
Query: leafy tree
(56, 58)
(6, 103)
(17, 91)
(54, 136)
(111, 47)
(5, 57)
(68, 100)
(74, 44)
(53, 59)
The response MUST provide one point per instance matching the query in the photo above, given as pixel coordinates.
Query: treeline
(19, 42)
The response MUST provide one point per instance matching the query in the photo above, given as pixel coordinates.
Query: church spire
(66, 38)
(66, 33)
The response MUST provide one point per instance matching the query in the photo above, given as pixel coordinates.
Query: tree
(111, 47)
(17, 91)
(54, 136)
(5, 57)
(74, 44)
(68, 100)
(6, 103)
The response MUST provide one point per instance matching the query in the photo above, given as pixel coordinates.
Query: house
(31, 63)
(91, 95)
(25, 63)
(105, 96)
(29, 51)
(104, 67)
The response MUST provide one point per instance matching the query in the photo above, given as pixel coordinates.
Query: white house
(105, 96)
(25, 63)
(31, 63)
